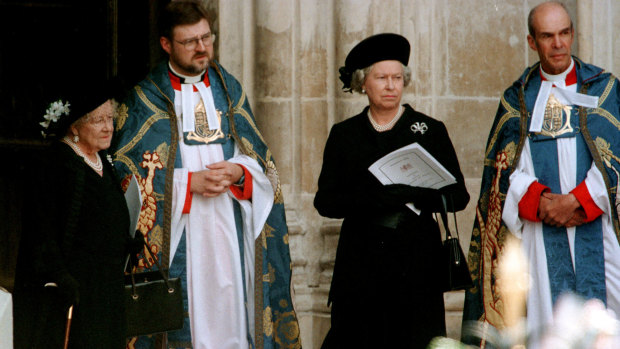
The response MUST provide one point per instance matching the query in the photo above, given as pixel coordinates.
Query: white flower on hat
(53, 114)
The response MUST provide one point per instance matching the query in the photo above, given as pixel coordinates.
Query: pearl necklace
(389, 125)
(97, 166)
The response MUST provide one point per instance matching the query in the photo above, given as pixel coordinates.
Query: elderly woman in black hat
(386, 289)
(73, 252)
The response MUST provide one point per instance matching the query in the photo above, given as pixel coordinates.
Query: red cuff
(528, 206)
(590, 208)
(245, 192)
(188, 195)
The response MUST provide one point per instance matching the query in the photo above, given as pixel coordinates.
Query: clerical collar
(185, 87)
(569, 76)
(557, 85)
(178, 79)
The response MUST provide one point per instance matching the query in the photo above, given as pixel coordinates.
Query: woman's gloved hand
(134, 247)
(136, 244)
(387, 196)
(425, 199)
(68, 289)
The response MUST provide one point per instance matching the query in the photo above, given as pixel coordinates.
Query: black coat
(386, 285)
(78, 226)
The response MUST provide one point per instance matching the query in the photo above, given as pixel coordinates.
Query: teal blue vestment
(146, 144)
(599, 128)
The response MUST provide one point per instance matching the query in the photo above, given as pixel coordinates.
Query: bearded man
(213, 209)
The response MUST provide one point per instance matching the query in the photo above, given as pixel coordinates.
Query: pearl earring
(76, 138)
(363, 91)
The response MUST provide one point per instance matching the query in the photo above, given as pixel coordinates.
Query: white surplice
(217, 307)
(539, 302)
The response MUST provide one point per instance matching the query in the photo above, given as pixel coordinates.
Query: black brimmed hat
(75, 102)
(376, 48)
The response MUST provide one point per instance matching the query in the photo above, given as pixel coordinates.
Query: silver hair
(359, 76)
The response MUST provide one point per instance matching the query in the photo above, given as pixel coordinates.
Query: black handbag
(457, 276)
(153, 302)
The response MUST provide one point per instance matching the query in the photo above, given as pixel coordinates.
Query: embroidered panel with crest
(202, 134)
(559, 122)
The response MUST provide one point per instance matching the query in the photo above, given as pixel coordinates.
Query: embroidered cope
(232, 254)
(580, 145)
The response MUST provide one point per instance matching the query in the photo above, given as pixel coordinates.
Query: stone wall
(464, 54)
(600, 43)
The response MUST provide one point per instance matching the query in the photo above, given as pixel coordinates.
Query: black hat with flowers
(75, 102)
(376, 48)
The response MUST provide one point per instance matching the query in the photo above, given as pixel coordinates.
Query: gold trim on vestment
(600, 162)
(607, 115)
(158, 115)
(608, 88)
(169, 185)
(510, 113)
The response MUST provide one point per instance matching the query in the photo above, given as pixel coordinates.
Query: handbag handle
(134, 295)
(444, 216)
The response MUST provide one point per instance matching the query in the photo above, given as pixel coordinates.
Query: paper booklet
(133, 197)
(412, 165)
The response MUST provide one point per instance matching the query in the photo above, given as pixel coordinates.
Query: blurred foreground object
(580, 324)
(6, 319)
(513, 284)
(447, 343)
(577, 323)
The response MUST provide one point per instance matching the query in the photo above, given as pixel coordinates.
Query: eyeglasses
(190, 44)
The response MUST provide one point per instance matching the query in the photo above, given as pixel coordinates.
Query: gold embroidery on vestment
(285, 239)
(202, 132)
(287, 329)
(151, 162)
(557, 118)
(270, 277)
(491, 244)
(509, 114)
(607, 115)
(158, 114)
(607, 155)
(605, 94)
(121, 116)
(267, 322)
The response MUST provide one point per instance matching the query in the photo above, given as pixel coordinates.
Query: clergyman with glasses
(212, 204)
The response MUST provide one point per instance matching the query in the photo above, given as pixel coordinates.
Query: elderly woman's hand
(68, 289)
(135, 244)
(425, 199)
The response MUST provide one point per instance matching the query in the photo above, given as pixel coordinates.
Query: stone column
(280, 50)
(584, 29)
(314, 51)
(235, 42)
(597, 33)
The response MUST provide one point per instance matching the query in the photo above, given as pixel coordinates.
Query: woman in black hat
(73, 251)
(386, 289)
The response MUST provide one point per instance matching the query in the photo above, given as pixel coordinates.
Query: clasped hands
(560, 210)
(216, 179)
